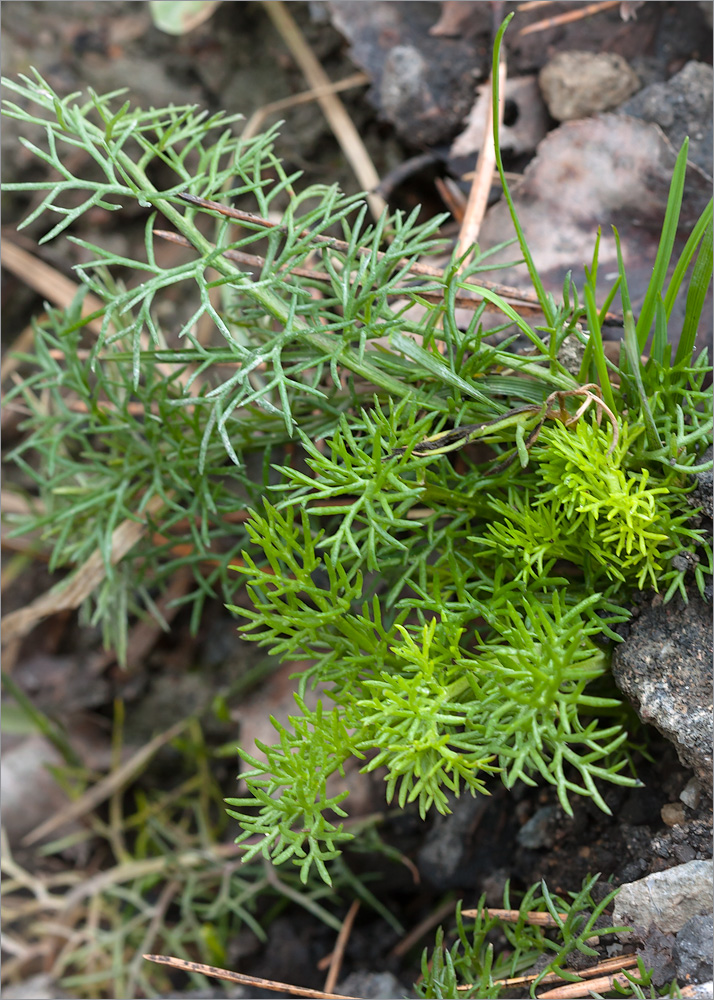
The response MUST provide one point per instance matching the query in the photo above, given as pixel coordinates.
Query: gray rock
(373, 986)
(30, 793)
(691, 793)
(538, 831)
(579, 84)
(665, 901)
(424, 85)
(664, 668)
(693, 949)
(681, 106)
(657, 952)
(447, 845)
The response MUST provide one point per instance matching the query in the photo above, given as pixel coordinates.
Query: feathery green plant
(456, 614)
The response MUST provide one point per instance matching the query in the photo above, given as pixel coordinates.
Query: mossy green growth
(589, 505)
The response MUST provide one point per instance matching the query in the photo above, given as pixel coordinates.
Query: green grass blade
(685, 258)
(659, 341)
(594, 327)
(633, 360)
(545, 300)
(698, 288)
(664, 252)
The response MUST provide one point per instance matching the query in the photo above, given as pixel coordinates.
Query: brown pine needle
(481, 184)
(608, 965)
(238, 977)
(521, 299)
(574, 991)
(463, 300)
(339, 950)
(513, 916)
(568, 17)
(414, 935)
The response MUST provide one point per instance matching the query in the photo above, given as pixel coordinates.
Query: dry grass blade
(107, 786)
(92, 887)
(255, 122)
(16, 503)
(48, 282)
(332, 107)
(69, 594)
(237, 977)
(407, 943)
(60, 291)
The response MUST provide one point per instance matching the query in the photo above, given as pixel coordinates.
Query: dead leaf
(524, 101)
(70, 593)
(459, 19)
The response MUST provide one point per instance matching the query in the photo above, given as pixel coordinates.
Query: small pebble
(672, 813)
(691, 793)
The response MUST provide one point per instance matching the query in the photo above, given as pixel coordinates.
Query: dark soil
(237, 61)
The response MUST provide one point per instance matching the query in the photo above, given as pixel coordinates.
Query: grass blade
(698, 288)
(664, 252)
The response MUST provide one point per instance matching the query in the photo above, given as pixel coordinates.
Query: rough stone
(702, 991)
(664, 668)
(664, 900)
(681, 106)
(423, 85)
(579, 84)
(693, 950)
(657, 953)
